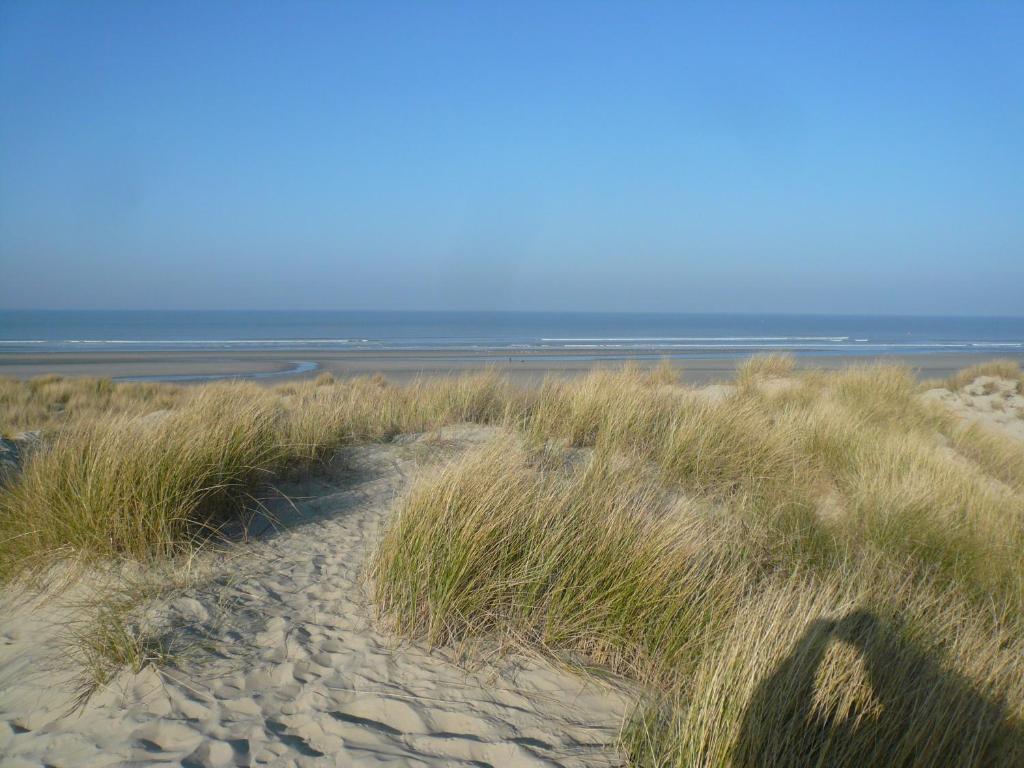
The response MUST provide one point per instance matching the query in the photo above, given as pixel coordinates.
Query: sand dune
(990, 400)
(296, 671)
(276, 655)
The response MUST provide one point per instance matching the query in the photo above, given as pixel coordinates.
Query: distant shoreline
(527, 365)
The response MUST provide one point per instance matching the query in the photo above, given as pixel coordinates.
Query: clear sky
(763, 157)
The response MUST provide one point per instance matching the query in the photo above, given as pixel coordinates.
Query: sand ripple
(298, 674)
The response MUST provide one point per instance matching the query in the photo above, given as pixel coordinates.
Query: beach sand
(402, 366)
(286, 662)
(993, 402)
(298, 672)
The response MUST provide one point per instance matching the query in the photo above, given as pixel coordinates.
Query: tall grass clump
(1000, 456)
(846, 585)
(620, 407)
(733, 450)
(1000, 369)
(760, 367)
(836, 671)
(592, 559)
(865, 662)
(139, 487)
(50, 402)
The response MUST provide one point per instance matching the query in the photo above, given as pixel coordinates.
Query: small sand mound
(995, 402)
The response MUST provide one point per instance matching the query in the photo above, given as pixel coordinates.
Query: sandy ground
(403, 366)
(286, 664)
(293, 668)
(994, 402)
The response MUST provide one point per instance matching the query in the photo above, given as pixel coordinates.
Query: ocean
(505, 333)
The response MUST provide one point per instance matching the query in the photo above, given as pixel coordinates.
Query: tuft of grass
(803, 664)
(664, 374)
(1000, 456)
(886, 631)
(1002, 369)
(815, 671)
(767, 366)
(50, 402)
(110, 641)
(140, 487)
(593, 559)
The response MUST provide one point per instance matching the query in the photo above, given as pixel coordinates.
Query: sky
(668, 157)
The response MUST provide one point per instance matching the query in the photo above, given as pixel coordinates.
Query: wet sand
(401, 366)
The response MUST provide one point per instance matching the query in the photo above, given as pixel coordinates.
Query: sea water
(505, 333)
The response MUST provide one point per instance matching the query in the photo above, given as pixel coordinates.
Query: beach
(525, 347)
(403, 366)
(473, 570)
(300, 671)
(477, 385)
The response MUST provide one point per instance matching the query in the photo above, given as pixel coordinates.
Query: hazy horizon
(755, 158)
(498, 311)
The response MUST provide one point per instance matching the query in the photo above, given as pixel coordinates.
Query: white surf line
(202, 343)
(701, 338)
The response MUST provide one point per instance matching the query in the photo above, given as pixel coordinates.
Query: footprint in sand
(300, 675)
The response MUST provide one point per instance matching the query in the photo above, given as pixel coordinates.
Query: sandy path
(299, 674)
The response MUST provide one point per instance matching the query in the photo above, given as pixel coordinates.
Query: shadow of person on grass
(924, 715)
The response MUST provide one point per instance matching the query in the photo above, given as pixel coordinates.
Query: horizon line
(518, 312)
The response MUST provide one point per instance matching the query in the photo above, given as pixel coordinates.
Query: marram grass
(801, 569)
(801, 575)
(752, 653)
(597, 559)
(140, 487)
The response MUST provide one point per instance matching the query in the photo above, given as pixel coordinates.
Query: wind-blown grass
(838, 586)
(136, 487)
(115, 480)
(596, 560)
(807, 569)
(841, 672)
(49, 402)
(752, 656)
(1003, 369)
(760, 367)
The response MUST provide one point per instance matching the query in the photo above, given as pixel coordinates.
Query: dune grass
(832, 584)
(757, 368)
(50, 402)
(840, 671)
(816, 568)
(1002, 369)
(597, 560)
(128, 486)
(109, 641)
(754, 655)
(116, 480)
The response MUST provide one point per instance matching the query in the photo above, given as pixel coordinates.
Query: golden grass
(759, 367)
(458, 569)
(136, 486)
(838, 671)
(837, 587)
(117, 480)
(1001, 369)
(49, 402)
(1000, 456)
(750, 650)
(816, 569)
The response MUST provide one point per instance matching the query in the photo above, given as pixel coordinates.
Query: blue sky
(760, 157)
